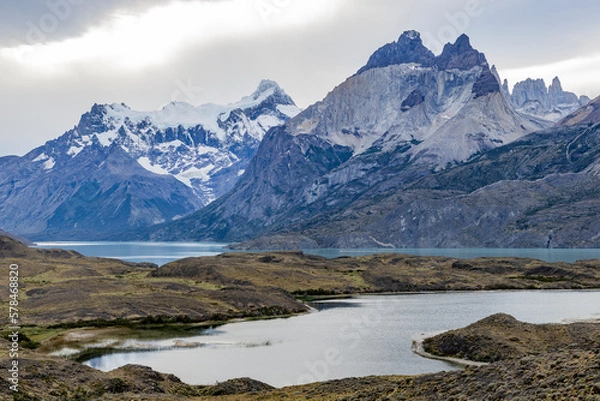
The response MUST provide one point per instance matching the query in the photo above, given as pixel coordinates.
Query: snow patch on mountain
(191, 143)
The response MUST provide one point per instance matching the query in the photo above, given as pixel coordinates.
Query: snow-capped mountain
(120, 169)
(406, 114)
(205, 147)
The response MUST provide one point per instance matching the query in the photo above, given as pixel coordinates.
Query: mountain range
(413, 150)
(121, 169)
(352, 170)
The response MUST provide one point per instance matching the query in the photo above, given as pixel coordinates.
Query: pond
(362, 336)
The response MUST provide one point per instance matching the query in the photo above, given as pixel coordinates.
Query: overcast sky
(59, 57)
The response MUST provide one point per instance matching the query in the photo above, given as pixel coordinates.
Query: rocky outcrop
(532, 97)
(531, 91)
(460, 55)
(502, 337)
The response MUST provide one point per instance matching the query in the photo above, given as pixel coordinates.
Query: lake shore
(63, 292)
(564, 371)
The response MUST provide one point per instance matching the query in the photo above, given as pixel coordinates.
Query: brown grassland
(68, 300)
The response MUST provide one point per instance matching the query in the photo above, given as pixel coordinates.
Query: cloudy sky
(59, 57)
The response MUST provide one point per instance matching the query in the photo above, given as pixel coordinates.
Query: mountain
(121, 169)
(532, 97)
(15, 237)
(590, 114)
(405, 115)
(542, 190)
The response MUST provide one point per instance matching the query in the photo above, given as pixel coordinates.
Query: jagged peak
(555, 86)
(411, 35)
(496, 74)
(460, 55)
(100, 109)
(267, 90)
(529, 81)
(265, 85)
(408, 48)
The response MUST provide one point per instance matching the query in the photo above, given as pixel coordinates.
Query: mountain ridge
(534, 98)
(133, 169)
(388, 123)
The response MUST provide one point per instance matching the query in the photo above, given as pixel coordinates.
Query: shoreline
(66, 292)
(166, 331)
(417, 348)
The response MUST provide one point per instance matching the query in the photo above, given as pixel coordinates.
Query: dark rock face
(486, 84)
(415, 98)
(408, 49)
(460, 55)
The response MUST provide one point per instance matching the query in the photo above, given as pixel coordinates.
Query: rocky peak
(93, 121)
(555, 86)
(505, 86)
(408, 49)
(552, 103)
(503, 83)
(558, 96)
(270, 92)
(460, 55)
(264, 86)
(530, 90)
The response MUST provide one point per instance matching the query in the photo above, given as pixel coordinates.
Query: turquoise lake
(164, 252)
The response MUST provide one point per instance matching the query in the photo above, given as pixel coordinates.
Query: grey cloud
(307, 62)
(35, 21)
